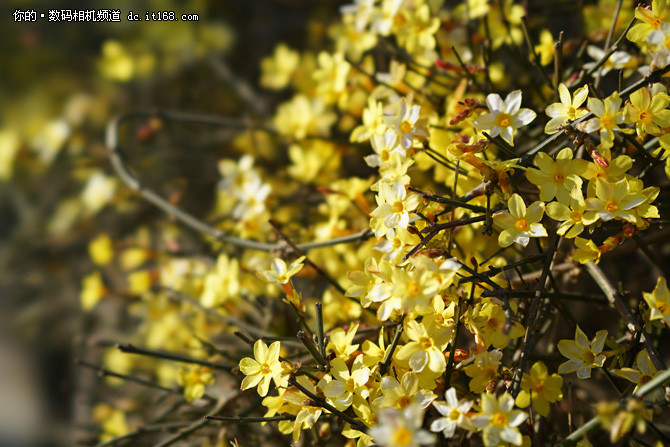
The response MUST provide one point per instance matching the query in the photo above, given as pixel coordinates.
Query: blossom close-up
(504, 117)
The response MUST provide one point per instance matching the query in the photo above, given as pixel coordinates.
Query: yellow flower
(98, 192)
(116, 63)
(568, 109)
(644, 372)
(394, 206)
(648, 20)
(331, 76)
(499, 420)
(302, 116)
(620, 421)
(92, 290)
(306, 415)
(401, 394)
(340, 391)
(582, 354)
(101, 250)
(540, 388)
(276, 70)
(194, 379)
(139, 282)
(484, 370)
(615, 201)
(573, 218)
(492, 324)
(340, 341)
(373, 122)
(519, 224)
(425, 350)
(648, 114)
(587, 251)
(557, 178)
(504, 117)
(9, 148)
(221, 283)
(659, 301)
(263, 368)
(545, 48)
(401, 428)
(113, 422)
(608, 117)
(280, 273)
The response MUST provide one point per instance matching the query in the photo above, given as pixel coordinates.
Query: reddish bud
(597, 156)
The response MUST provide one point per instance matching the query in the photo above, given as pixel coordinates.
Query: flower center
(265, 369)
(401, 437)
(426, 342)
(413, 289)
(385, 156)
(559, 177)
(493, 323)
(405, 127)
(397, 207)
(588, 357)
(521, 225)
(575, 216)
(607, 121)
(611, 206)
(644, 378)
(572, 113)
(454, 414)
(404, 401)
(539, 388)
(644, 117)
(499, 420)
(503, 120)
(351, 385)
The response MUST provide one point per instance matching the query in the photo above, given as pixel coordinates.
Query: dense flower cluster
(409, 325)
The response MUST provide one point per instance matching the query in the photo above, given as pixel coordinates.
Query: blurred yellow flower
(582, 354)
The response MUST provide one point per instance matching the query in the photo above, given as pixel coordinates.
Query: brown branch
(532, 313)
(434, 229)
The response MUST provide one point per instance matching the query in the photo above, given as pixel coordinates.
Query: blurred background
(60, 82)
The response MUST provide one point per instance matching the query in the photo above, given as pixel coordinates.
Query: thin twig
(434, 229)
(318, 402)
(532, 313)
(535, 59)
(632, 323)
(102, 372)
(246, 420)
(130, 349)
(610, 33)
(558, 61)
(308, 261)
(389, 354)
(118, 163)
(193, 427)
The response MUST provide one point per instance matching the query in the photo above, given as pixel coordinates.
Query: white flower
(454, 412)
(499, 420)
(401, 428)
(616, 61)
(406, 123)
(394, 206)
(504, 117)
